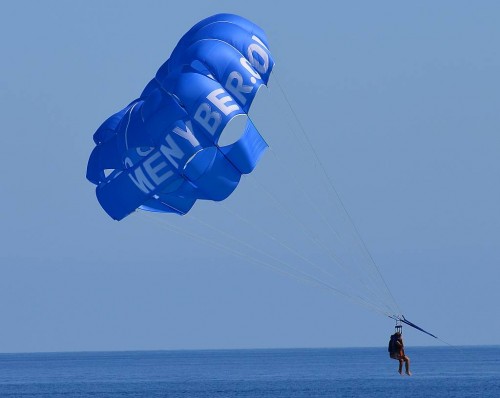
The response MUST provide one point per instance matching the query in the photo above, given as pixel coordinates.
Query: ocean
(338, 372)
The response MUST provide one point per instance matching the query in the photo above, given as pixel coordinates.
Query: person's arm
(399, 344)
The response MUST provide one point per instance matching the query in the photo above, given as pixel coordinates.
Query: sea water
(355, 372)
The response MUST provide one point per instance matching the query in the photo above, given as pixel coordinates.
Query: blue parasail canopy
(160, 153)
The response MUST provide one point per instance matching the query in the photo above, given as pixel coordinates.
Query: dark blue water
(367, 372)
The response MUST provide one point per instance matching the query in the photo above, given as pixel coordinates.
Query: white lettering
(154, 171)
(234, 85)
(128, 163)
(140, 180)
(208, 119)
(187, 134)
(253, 49)
(221, 101)
(255, 38)
(244, 62)
(144, 151)
(171, 151)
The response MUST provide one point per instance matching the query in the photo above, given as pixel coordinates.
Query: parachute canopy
(161, 152)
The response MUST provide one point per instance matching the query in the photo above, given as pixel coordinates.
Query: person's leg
(400, 370)
(407, 365)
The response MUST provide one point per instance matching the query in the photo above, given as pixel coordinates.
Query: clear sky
(401, 101)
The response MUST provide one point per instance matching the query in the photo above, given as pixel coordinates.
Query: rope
(283, 208)
(334, 190)
(375, 276)
(301, 276)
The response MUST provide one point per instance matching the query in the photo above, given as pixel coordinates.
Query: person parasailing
(397, 350)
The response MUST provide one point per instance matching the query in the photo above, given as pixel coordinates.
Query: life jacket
(393, 348)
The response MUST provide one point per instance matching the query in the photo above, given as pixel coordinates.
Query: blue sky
(401, 102)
